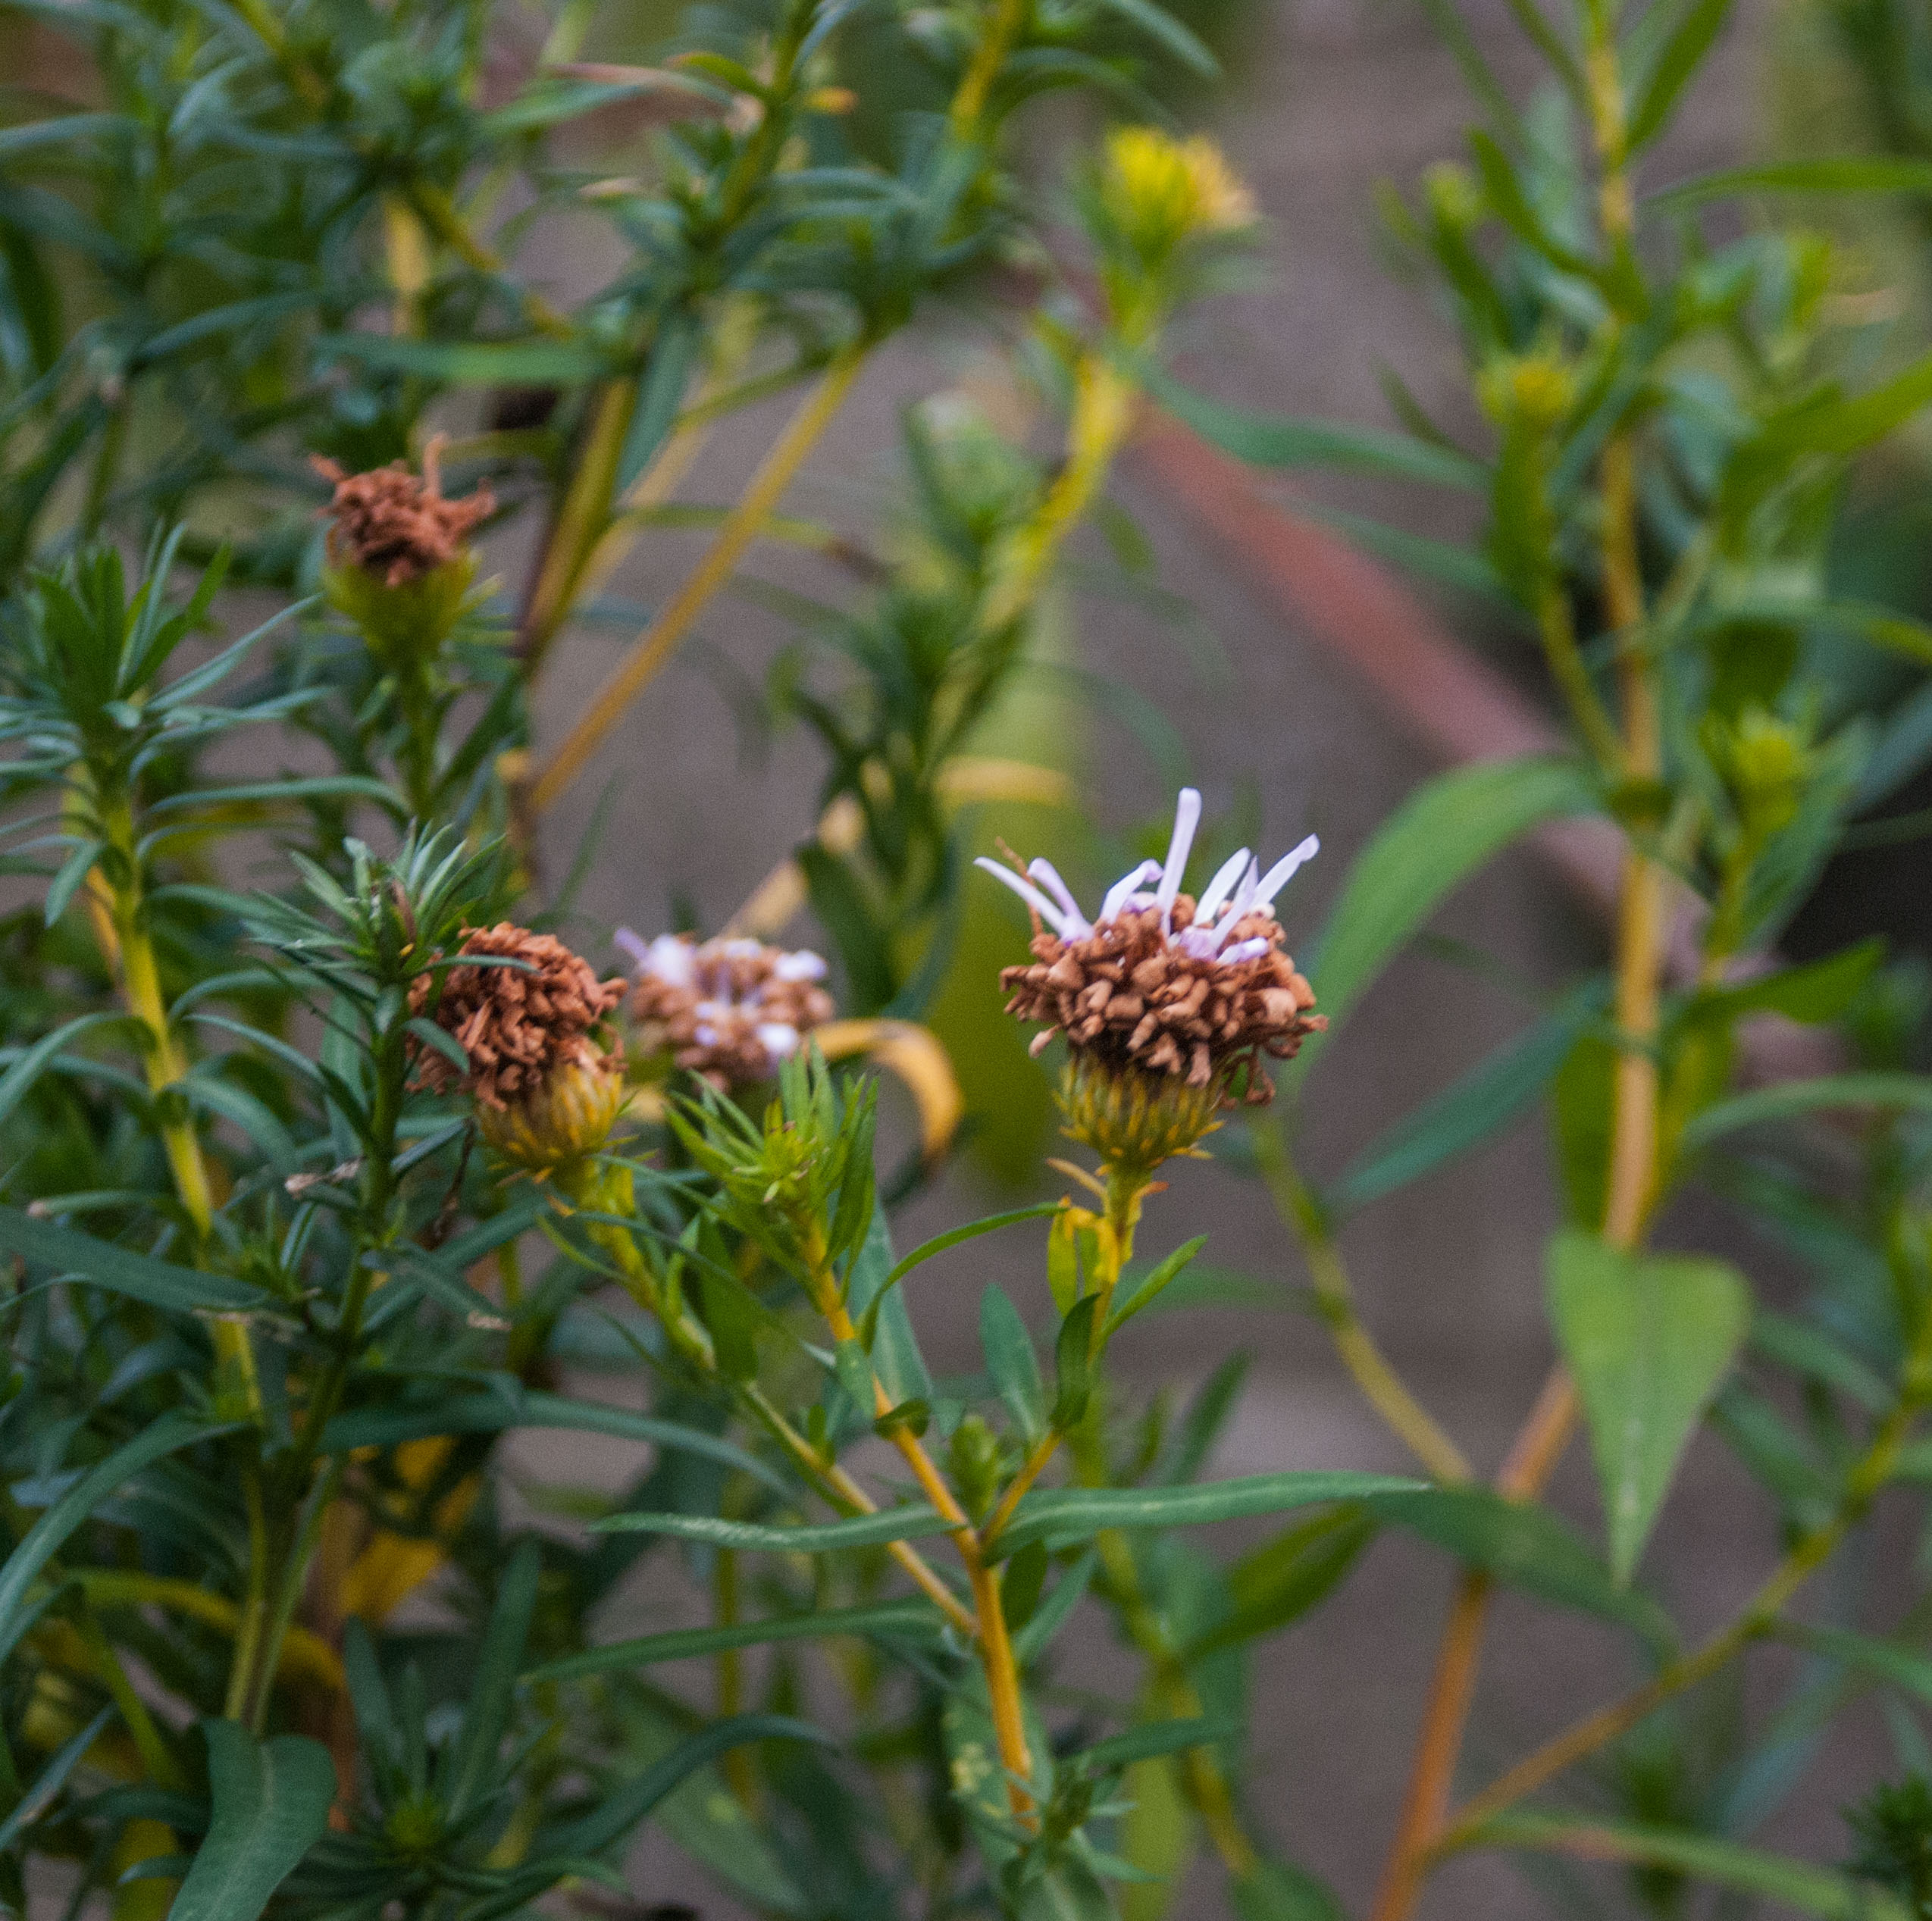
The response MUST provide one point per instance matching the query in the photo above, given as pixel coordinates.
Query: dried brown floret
(1126, 995)
(518, 1023)
(731, 1009)
(390, 524)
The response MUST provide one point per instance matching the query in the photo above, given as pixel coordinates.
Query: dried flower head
(392, 525)
(1161, 985)
(730, 1009)
(521, 1019)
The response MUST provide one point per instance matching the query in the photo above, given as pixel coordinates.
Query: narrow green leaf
(1471, 1110)
(1278, 1891)
(47, 1783)
(891, 1620)
(27, 1067)
(1276, 441)
(1146, 1289)
(1063, 1515)
(492, 1683)
(1810, 1351)
(1841, 174)
(1151, 1739)
(625, 1805)
(271, 1803)
(138, 1276)
(1073, 1364)
(1794, 1098)
(1819, 992)
(470, 363)
(911, 1520)
(1440, 835)
(1810, 1890)
(174, 1431)
(939, 1244)
(1908, 1669)
(1279, 1582)
(512, 1405)
(1526, 1545)
(1649, 1339)
(1683, 53)
(1011, 1363)
(1162, 27)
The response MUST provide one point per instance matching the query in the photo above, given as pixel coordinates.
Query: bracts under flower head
(1199, 994)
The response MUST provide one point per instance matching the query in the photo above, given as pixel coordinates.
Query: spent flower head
(524, 1011)
(1168, 1003)
(732, 1010)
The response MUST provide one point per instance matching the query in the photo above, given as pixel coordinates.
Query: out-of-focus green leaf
(1794, 1098)
(1813, 994)
(911, 1521)
(911, 1620)
(1682, 53)
(469, 363)
(138, 1276)
(1438, 836)
(1144, 1289)
(1464, 1115)
(1810, 1890)
(1280, 1581)
(1909, 1669)
(1840, 173)
(174, 1431)
(1649, 1339)
(1011, 1364)
(270, 1805)
(1278, 1891)
(1526, 1545)
(40, 1792)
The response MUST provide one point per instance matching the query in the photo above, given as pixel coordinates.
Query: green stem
(249, 1635)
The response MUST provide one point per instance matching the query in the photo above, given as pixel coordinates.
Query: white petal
(1245, 950)
(1199, 942)
(1048, 877)
(778, 1038)
(803, 965)
(669, 958)
(1221, 886)
(1240, 903)
(635, 945)
(1187, 818)
(1124, 889)
(1025, 888)
(1278, 876)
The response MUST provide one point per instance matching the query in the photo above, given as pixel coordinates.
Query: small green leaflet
(160, 1284)
(1649, 1339)
(913, 1521)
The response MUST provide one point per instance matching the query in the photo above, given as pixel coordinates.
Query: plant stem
(1382, 1387)
(1631, 1185)
(653, 646)
(969, 106)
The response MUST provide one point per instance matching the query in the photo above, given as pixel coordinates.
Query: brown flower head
(1161, 985)
(395, 527)
(731, 1009)
(520, 1021)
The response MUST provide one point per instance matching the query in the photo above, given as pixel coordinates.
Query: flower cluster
(398, 528)
(520, 1020)
(730, 1009)
(1189, 988)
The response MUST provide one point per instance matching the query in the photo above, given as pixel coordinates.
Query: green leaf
(1796, 1097)
(41, 1791)
(270, 1805)
(174, 1431)
(470, 363)
(1681, 55)
(1526, 1545)
(1275, 441)
(1011, 1363)
(624, 1805)
(1063, 1515)
(888, 1334)
(1649, 1339)
(1161, 27)
(1840, 173)
(1908, 1669)
(1438, 836)
(1278, 1891)
(938, 1244)
(1073, 1364)
(911, 1521)
(1147, 1288)
(1279, 1582)
(1813, 994)
(510, 1404)
(893, 1619)
(492, 1682)
(1469, 1111)
(1153, 1738)
(26, 1068)
(1810, 1890)
(138, 1276)
(1810, 1352)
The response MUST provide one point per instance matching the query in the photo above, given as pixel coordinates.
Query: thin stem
(1382, 1387)
(654, 645)
(968, 105)
(249, 1635)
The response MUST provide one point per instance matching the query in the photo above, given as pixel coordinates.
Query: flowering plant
(339, 1160)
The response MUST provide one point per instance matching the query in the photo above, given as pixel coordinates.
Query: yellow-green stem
(654, 645)
(969, 101)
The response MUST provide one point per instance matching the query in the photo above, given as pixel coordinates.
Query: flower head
(522, 1018)
(1162, 191)
(395, 527)
(1159, 983)
(731, 1009)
